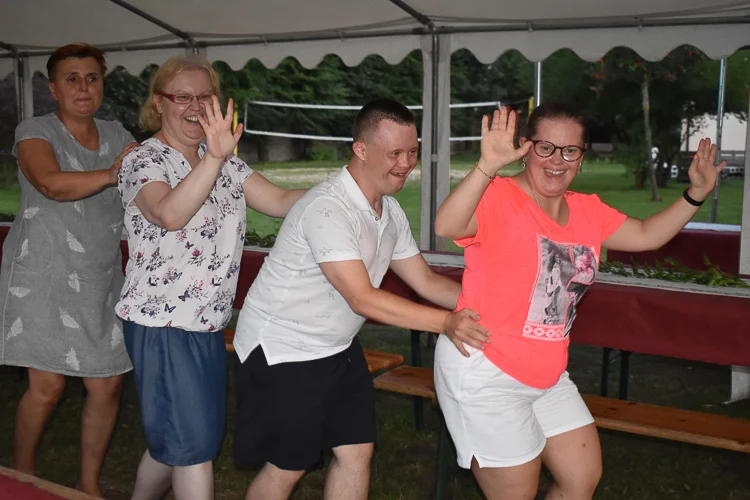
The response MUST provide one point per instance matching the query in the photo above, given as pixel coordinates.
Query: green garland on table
(711, 276)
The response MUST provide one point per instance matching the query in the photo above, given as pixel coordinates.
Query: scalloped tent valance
(137, 33)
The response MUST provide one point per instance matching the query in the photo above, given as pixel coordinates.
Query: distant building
(732, 135)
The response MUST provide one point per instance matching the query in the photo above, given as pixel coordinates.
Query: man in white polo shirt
(303, 383)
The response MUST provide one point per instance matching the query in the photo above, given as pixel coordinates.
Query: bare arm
(267, 198)
(351, 280)
(455, 218)
(638, 235)
(427, 283)
(38, 164)
(172, 209)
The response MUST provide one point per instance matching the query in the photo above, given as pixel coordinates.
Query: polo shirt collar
(354, 191)
(358, 198)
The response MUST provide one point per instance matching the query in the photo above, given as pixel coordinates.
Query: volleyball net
(344, 108)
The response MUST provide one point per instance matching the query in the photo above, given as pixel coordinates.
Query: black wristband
(690, 200)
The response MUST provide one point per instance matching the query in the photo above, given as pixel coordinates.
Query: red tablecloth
(10, 489)
(700, 327)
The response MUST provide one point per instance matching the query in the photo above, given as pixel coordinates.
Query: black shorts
(288, 413)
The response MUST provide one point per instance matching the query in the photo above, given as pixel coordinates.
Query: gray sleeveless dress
(61, 269)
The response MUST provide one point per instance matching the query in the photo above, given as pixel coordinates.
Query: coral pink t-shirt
(525, 273)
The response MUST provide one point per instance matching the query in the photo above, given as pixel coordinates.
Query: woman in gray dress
(61, 267)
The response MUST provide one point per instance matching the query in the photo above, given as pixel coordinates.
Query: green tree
(634, 95)
(123, 96)
(508, 80)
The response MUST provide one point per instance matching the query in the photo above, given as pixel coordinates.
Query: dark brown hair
(79, 50)
(555, 110)
(369, 117)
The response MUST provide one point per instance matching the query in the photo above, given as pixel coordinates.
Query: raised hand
(498, 146)
(703, 170)
(461, 328)
(220, 141)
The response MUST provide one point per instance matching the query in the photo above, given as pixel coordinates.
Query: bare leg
(97, 424)
(508, 483)
(153, 480)
(575, 460)
(194, 482)
(349, 473)
(273, 483)
(34, 411)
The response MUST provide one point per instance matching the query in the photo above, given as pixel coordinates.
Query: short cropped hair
(149, 118)
(369, 117)
(79, 50)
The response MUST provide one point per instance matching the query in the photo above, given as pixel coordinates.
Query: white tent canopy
(238, 30)
(135, 33)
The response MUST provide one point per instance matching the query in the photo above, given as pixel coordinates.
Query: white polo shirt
(291, 309)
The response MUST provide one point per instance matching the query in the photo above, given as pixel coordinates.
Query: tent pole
(434, 139)
(719, 127)
(537, 83)
(19, 89)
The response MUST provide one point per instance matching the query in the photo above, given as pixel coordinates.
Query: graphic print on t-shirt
(564, 273)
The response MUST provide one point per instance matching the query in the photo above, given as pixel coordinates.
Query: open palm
(220, 141)
(498, 139)
(703, 170)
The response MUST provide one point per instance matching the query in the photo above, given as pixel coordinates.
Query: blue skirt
(181, 379)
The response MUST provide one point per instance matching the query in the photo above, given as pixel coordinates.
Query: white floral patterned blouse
(187, 278)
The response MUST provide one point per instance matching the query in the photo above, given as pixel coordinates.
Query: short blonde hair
(150, 118)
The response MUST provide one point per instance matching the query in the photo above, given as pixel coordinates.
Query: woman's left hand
(703, 171)
(220, 141)
(114, 170)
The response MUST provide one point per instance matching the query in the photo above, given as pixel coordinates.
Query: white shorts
(495, 418)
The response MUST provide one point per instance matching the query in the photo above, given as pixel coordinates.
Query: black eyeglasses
(545, 149)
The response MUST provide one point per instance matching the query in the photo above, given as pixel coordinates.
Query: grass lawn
(608, 180)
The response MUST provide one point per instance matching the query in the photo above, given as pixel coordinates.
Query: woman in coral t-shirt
(532, 250)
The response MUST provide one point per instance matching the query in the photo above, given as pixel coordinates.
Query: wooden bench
(705, 429)
(377, 361)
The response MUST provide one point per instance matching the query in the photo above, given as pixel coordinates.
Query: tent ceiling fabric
(270, 30)
(716, 41)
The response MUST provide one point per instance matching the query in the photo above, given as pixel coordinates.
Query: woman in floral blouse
(185, 196)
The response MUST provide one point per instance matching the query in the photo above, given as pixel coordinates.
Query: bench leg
(416, 360)
(604, 384)
(624, 373)
(416, 348)
(443, 460)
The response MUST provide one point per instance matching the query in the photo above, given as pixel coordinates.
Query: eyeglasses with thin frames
(545, 149)
(183, 99)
